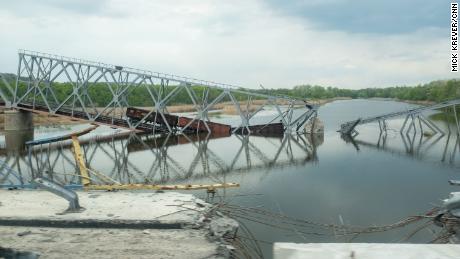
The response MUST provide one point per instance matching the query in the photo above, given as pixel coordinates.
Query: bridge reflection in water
(441, 148)
(131, 158)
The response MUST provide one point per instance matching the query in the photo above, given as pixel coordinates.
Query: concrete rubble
(364, 251)
(113, 225)
(315, 126)
(448, 217)
(452, 204)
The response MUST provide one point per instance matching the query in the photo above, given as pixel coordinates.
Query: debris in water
(24, 233)
(454, 182)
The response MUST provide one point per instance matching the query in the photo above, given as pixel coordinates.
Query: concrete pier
(18, 120)
(15, 140)
(113, 225)
(19, 129)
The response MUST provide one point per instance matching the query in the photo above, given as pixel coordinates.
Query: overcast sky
(343, 43)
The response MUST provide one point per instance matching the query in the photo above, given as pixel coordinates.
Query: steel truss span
(410, 121)
(38, 74)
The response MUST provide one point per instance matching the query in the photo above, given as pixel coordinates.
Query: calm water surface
(374, 180)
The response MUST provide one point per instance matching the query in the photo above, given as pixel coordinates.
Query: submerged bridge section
(348, 128)
(41, 80)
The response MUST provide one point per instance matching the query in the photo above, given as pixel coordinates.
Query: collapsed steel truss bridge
(35, 90)
(412, 115)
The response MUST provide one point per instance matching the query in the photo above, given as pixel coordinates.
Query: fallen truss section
(348, 128)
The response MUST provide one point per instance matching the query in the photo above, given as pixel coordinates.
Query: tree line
(435, 91)
(101, 94)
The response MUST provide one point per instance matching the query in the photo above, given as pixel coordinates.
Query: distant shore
(419, 102)
(328, 100)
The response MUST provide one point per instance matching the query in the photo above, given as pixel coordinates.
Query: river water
(373, 180)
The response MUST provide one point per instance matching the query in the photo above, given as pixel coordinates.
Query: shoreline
(418, 102)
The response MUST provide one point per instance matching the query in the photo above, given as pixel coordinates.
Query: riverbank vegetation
(435, 91)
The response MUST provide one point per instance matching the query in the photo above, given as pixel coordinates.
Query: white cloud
(238, 42)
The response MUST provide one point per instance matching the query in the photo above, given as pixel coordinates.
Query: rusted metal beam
(272, 129)
(189, 125)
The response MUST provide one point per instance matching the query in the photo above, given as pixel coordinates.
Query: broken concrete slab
(452, 204)
(110, 243)
(133, 216)
(223, 227)
(102, 209)
(364, 251)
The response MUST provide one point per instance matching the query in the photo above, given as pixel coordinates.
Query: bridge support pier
(19, 129)
(18, 120)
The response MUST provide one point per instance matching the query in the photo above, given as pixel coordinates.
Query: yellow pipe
(160, 187)
(85, 180)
